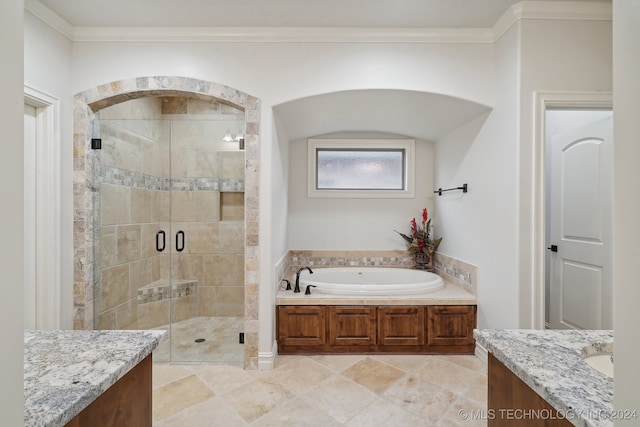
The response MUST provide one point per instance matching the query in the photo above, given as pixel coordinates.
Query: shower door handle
(180, 241)
(160, 234)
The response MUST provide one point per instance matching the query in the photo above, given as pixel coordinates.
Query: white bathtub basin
(363, 281)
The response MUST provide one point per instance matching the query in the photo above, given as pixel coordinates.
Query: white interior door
(29, 217)
(581, 294)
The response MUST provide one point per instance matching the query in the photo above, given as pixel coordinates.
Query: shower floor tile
(220, 345)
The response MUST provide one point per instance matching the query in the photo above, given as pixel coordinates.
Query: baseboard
(482, 353)
(267, 359)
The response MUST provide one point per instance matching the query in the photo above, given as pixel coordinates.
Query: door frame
(48, 206)
(543, 101)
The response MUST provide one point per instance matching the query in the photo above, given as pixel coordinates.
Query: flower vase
(424, 260)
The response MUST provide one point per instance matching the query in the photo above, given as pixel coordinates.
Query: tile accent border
(117, 176)
(86, 187)
(457, 272)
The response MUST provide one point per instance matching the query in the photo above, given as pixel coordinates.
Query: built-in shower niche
(171, 224)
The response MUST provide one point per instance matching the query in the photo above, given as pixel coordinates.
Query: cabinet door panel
(301, 325)
(450, 324)
(352, 326)
(401, 325)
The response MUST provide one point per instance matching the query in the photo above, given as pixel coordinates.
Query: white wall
(626, 252)
(490, 225)
(355, 224)
(280, 72)
(555, 55)
(11, 175)
(47, 64)
(480, 227)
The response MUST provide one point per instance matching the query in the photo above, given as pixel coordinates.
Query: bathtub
(363, 281)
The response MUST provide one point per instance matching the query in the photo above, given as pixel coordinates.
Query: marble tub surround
(449, 295)
(65, 371)
(454, 271)
(551, 363)
(457, 272)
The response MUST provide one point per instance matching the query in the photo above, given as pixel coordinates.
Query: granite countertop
(550, 362)
(64, 371)
(449, 295)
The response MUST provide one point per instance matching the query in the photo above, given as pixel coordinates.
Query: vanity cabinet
(509, 397)
(413, 329)
(127, 402)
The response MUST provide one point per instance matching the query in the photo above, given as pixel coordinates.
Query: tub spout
(297, 287)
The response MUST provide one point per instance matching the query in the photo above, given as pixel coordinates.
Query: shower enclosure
(170, 224)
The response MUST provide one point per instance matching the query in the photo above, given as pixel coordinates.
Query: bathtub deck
(449, 295)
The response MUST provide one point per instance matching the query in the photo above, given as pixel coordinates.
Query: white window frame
(408, 145)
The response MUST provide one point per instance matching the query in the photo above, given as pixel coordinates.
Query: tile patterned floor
(220, 345)
(341, 390)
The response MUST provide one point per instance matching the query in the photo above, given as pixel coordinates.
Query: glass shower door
(207, 264)
(170, 228)
(133, 220)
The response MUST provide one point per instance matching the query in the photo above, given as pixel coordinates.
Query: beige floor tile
(338, 362)
(447, 375)
(256, 398)
(172, 398)
(374, 375)
(299, 375)
(340, 398)
(282, 360)
(468, 361)
(352, 390)
(382, 413)
(296, 413)
(214, 412)
(164, 373)
(464, 413)
(222, 378)
(404, 362)
(421, 398)
(477, 391)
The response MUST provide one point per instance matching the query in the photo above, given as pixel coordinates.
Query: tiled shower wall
(206, 202)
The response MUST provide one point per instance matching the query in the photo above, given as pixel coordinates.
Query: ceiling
(283, 13)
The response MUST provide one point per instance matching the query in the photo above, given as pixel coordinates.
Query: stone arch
(86, 187)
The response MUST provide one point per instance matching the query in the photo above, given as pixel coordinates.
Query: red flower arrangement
(419, 239)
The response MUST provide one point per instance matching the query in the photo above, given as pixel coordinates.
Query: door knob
(553, 248)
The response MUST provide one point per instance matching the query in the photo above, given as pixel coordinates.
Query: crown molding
(528, 9)
(283, 35)
(49, 17)
(547, 10)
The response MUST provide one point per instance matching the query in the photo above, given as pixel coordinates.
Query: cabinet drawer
(352, 326)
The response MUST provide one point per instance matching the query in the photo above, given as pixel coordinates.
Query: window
(366, 168)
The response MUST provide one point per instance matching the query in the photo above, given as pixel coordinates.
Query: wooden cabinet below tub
(413, 329)
(451, 327)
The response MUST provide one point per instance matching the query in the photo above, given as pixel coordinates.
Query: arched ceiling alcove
(420, 115)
